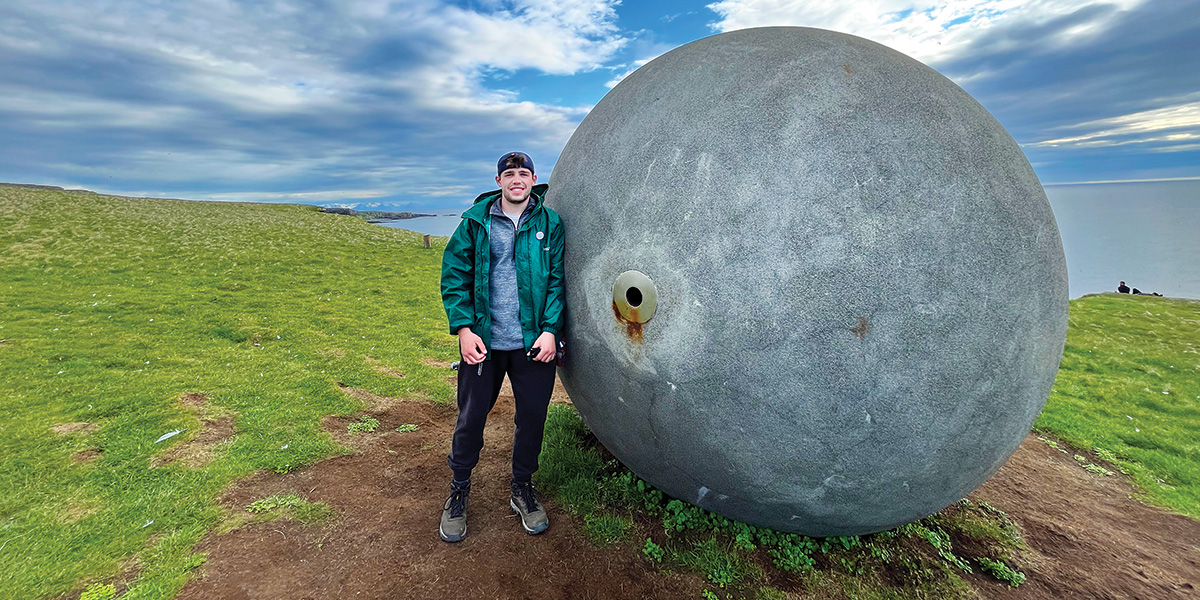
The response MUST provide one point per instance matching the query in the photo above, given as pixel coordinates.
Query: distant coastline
(375, 216)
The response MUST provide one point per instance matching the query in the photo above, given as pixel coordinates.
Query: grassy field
(1128, 391)
(114, 309)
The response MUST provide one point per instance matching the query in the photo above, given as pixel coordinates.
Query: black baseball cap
(519, 158)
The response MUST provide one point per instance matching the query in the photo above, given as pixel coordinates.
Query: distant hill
(55, 188)
(33, 186)
(371, 216)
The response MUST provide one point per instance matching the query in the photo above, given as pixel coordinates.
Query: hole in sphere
(634, 297)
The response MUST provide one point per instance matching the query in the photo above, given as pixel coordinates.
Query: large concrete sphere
(857, 287)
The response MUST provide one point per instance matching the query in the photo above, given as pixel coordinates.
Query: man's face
(516, 184)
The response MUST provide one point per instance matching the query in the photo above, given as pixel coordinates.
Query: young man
(502, 286)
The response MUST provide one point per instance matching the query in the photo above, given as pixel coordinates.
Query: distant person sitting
(1122, 288)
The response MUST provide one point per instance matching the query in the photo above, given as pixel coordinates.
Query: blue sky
(408, 104)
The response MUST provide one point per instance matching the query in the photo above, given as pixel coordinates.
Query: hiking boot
(524, 503)
(454, 513)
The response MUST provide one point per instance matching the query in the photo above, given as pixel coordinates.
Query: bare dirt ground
(1089, 538)
(383, 542)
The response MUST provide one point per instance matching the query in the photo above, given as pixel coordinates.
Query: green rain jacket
(466, 263)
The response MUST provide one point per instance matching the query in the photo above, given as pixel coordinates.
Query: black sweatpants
(532, 384)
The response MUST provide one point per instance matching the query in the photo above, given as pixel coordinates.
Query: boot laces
(525, 492)
(457, 502)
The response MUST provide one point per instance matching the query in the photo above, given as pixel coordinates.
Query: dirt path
(384, 543)
(1090, 539)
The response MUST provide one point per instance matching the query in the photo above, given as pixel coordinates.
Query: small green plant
(980, 521)
(793, 553)
(653, 551)
(99, 591)
(367, 424)
(851, 564)
(1105, 455)
(941, 543)
(769, 593)
(275, 502)
(717, 564)
(1001, 571)
(709, 595)
(312, 512)
(680, 515)
(1097, 469)
(407, 428)
(604, 529)
(292, 505)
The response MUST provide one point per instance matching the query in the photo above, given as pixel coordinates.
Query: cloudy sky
(409, 103)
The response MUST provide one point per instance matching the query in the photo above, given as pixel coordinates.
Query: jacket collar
(483, 203)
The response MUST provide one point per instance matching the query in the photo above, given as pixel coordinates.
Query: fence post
(427, 241)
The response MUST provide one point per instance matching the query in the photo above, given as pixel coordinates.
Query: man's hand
(471, 346)
(544, 346)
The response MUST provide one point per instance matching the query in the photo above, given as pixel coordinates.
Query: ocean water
(439, 225)
(1146, 234)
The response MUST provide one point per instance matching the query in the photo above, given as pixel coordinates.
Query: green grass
(365, 424)
(604, 528)
(291, 506)
(99, 591)
(112, 308)
(1128, 393)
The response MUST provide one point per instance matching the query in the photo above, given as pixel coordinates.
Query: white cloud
(611, 83)
(291, 197)
(76, 110)
(254, 58)
(1169, 125)
(291, 91)
(1176, 148)
(458, 93)
(556, 37)
(1156, 179)
(929, 31)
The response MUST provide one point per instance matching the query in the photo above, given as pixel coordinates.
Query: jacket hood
(483, 202)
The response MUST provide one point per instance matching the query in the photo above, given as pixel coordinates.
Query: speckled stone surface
(861, 291)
